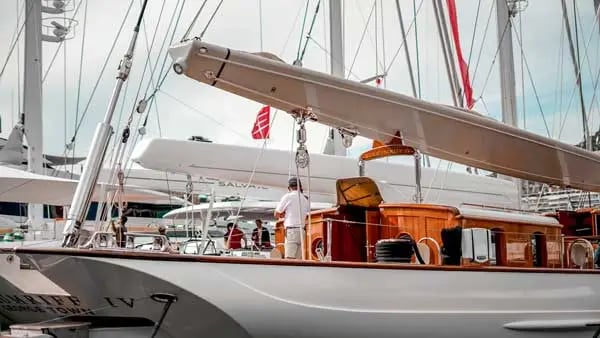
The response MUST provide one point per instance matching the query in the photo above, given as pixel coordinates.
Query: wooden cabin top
(468, 213)
(363, 192)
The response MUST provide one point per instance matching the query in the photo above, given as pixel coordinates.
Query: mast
(336, 60)
(32, 89)
(576, 67)
(440, 19)
(507, 70)
(32, 98)
(102, 135)
(507, 63)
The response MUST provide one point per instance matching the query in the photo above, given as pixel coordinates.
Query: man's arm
(280, 209)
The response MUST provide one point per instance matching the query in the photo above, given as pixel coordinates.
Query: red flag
(464, 70)
(262, 124)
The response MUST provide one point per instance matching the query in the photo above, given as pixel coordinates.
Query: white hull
(242, 298)
(395, 180)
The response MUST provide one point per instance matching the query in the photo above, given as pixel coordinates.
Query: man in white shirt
(293, 208)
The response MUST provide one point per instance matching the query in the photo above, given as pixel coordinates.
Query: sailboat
(272, 167)
(495, 273)
(395, 180)
(467, 271)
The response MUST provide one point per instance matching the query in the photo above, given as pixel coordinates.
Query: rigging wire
(410, 26)
(160, 135)
(592, 31)
(164, 71)
(85, 111)
(362, 37)
(489, 73)
(189, 29)
(350, 73)
(310, 29)
(147, 63)
(85, 13)
(475, 25)
(118, 155)
(208, 116)
(383, 43)
(485, 30)
(564, 119)
(587, 58)
(594, 95)
(15, 42)
(575, 55)
(302, 30)
(417, 50)
(251, 178)
(152, 98)
(558, 99)
(149, 99)
(537, 97)
(362, 17)
(210, 19)
(291, 31)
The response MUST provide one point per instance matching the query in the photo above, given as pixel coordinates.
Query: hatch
(358, 192)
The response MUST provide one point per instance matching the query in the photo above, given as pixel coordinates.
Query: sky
(545, 81)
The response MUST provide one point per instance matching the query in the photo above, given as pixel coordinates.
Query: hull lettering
(58, 305)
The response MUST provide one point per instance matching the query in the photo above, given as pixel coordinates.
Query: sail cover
(445, 132)
(21, 186)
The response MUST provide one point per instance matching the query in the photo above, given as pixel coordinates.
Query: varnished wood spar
(136, 255)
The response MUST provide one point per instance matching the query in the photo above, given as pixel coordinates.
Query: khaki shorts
(293, 243)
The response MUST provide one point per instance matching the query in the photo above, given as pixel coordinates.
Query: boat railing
(158, 242)
(100, 240)
(580, 250)
(142, 241)
(108, 240)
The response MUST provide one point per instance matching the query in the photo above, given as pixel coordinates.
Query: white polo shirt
(294, 216)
